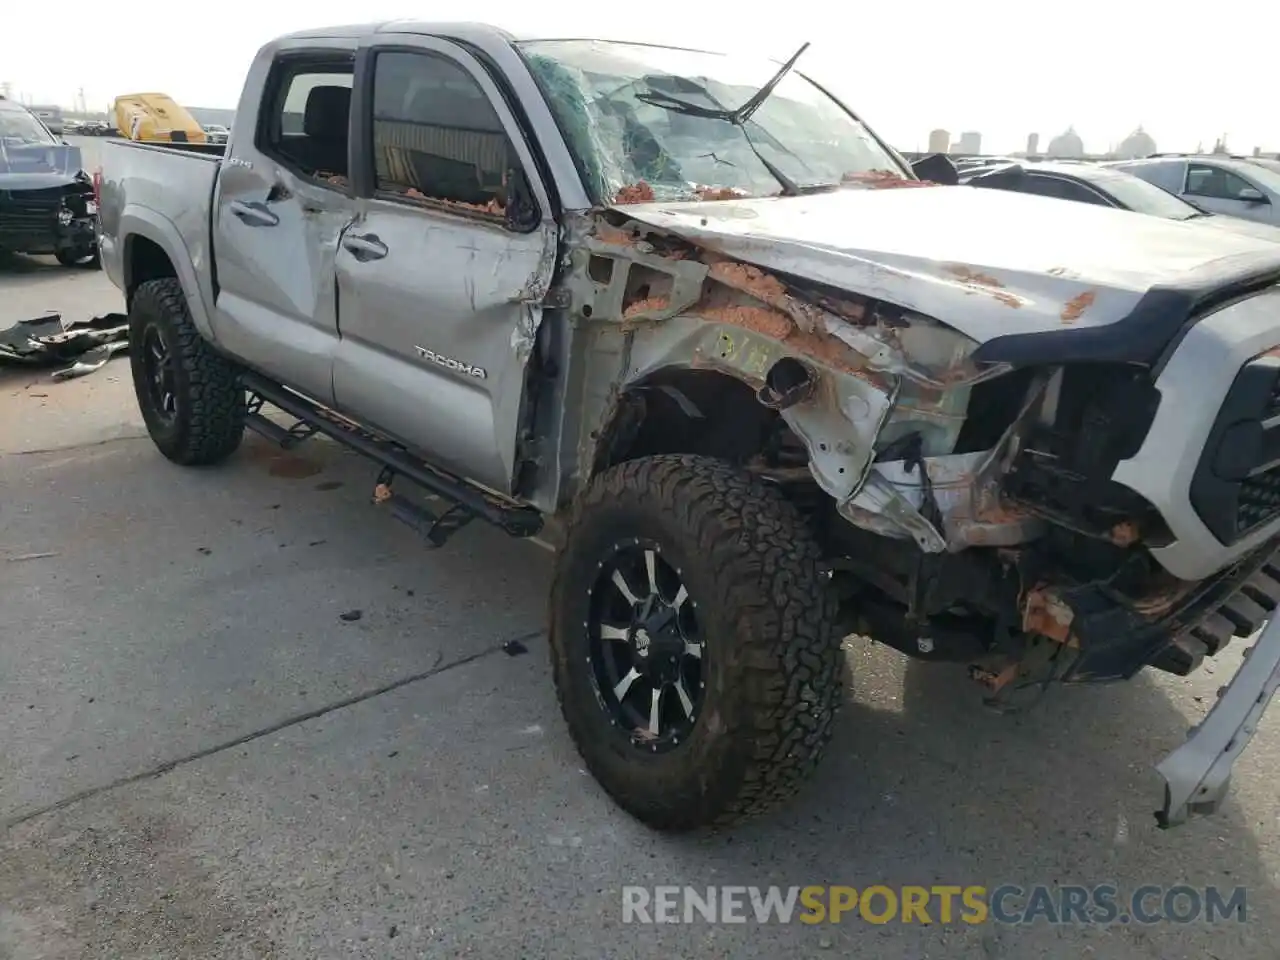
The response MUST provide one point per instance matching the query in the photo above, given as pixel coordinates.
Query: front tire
(190, 396)
(685, 575)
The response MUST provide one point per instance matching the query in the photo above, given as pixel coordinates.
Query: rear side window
(436, 137)
(1062, 189)
(305, 122)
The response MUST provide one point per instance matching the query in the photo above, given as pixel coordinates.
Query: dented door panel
(433, 334)
(275, 301)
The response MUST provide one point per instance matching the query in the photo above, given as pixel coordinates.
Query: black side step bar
(464, 500)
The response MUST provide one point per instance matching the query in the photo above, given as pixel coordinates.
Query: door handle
(254, 213)
(365, 248)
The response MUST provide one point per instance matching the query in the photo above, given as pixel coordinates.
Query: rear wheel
(190, 396)
(692, 641)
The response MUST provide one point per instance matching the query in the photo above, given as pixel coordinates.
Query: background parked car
(1226, 185)
(1106, 186)
(216, 132)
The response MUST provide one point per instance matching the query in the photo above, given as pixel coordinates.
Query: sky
(999, 67)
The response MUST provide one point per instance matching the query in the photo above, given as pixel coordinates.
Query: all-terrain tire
(772, 666)
(207, 422)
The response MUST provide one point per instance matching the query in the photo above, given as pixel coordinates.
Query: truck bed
(171, 183)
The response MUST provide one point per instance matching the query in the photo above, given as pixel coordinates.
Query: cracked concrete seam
(168, 766)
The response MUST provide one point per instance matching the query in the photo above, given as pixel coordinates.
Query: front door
(441, 275)
(1219, 190)
(282, 202)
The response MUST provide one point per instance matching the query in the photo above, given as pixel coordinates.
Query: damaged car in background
(47, 205)
(687, 319)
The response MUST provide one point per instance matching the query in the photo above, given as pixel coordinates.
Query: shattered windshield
(620, 107)
(18, 126)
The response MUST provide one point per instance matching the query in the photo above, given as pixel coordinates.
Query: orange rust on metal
(882, 179)
(639, 192)
(492, 207)
(1045, 614)
(994, 672)
(768, 289)
(770, 322)
(986, 283)
(645, 305)
(615, 236)
(1077, 305)
(1125, 533)
(721, 193)
(1164, 598)
(749, 279)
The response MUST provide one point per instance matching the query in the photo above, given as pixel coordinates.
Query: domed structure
(1066, 145)
(1137, 144)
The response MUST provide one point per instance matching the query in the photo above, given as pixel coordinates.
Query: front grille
(1236, 487)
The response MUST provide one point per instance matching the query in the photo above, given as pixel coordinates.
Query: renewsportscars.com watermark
(1006, 904)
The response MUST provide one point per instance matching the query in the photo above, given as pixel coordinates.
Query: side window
(1213, 182)
(438, 141)
(1062, 189)
(306, 115)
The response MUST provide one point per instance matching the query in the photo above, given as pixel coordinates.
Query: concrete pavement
(202, 758)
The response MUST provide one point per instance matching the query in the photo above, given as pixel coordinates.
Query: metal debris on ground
(46, 341)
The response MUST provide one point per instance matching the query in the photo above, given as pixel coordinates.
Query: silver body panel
(1192, 386)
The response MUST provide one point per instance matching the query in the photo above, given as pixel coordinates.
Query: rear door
(441, 277)
(282, 202)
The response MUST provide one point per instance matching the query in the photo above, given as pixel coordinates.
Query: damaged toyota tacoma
(686, 319)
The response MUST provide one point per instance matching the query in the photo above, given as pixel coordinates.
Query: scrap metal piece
(91, 360)
(43, 341)
(1197, 774)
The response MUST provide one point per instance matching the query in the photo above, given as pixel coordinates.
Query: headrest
(327, 111)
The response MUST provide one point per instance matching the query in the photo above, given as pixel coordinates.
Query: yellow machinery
(156, 117)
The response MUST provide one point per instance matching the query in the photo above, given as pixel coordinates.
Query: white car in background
(1232, 186)
(216, 132)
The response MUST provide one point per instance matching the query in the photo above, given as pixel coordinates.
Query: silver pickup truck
(685, 318)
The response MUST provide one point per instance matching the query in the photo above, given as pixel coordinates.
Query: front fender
(141, 222)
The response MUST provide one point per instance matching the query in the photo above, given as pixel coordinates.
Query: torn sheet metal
(892, 502)
(46, 341)
(91, 360)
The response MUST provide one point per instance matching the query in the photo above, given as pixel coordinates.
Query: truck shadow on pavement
(922, 785)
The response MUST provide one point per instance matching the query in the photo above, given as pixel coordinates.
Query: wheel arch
(674, 410)
(153, 249)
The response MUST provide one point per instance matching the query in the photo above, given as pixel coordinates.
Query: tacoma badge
(451, 364)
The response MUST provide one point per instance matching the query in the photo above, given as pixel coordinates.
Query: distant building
(939, 141)
(1067, 145)
(1137, 144)
(970, 143)
(1033, 144)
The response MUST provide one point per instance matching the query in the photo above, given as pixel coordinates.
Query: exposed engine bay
(968, 508)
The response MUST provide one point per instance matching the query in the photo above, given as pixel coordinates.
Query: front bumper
(1194, 383)
(47, 235)
(1197, 774)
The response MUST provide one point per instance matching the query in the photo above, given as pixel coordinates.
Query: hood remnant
(86, 344)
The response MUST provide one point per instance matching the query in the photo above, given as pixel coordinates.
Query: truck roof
(482, 35)
(462, 31)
